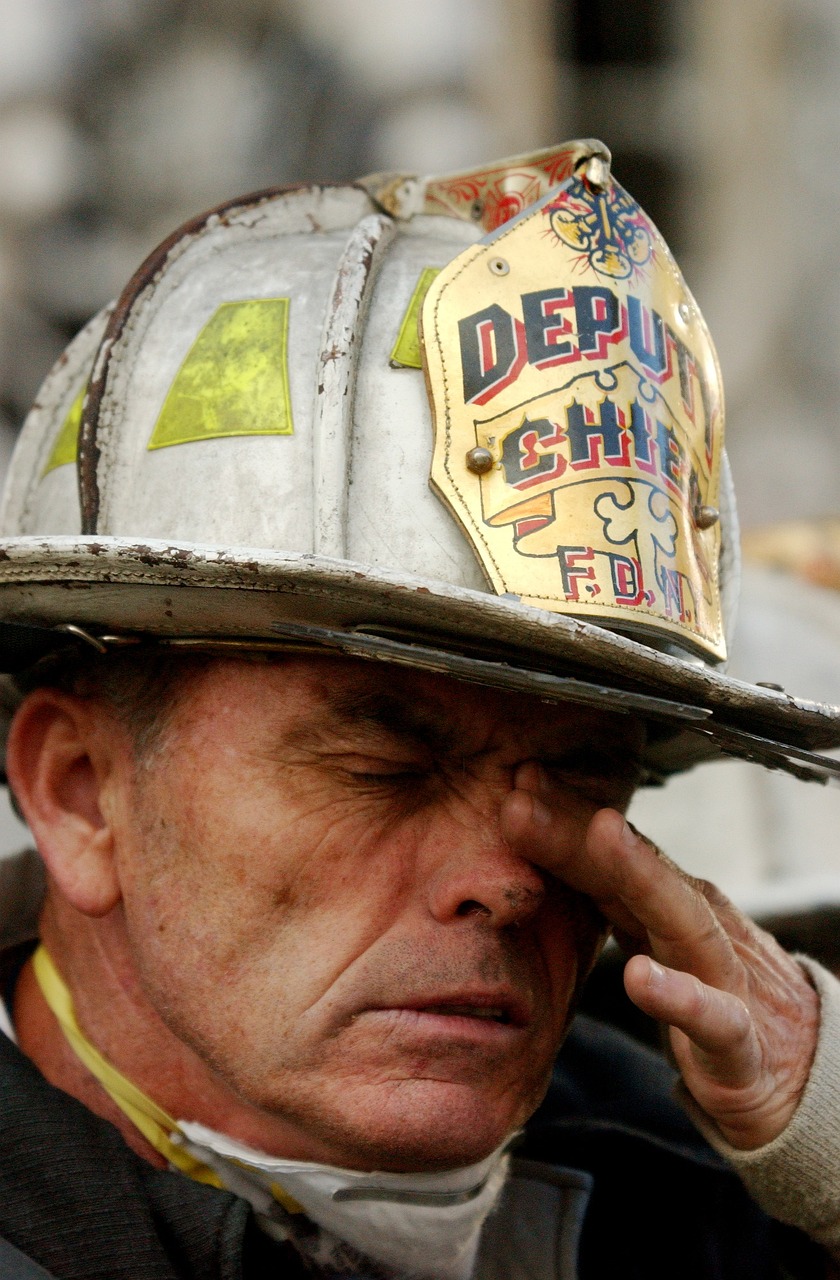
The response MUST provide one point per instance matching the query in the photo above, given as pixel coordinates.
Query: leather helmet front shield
(578, 415)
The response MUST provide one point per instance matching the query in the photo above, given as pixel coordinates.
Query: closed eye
(384, 772)
(391, 776)
(401, 789)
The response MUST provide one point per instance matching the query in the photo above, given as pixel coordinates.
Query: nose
(474, 873)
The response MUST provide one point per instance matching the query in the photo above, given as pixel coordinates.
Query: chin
(426, 1126)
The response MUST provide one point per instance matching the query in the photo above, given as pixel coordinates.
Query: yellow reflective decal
(66, 445)
(406, 353)
(234, 380)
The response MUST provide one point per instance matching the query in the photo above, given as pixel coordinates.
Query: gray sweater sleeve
(796, 1177)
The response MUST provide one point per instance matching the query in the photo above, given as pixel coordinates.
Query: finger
(531, 829)
(542, 834)
(633, 884)
(723, 1040)
(548, 802)
(683, 928)
(530, 776)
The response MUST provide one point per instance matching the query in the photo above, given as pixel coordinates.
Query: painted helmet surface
(472, 424)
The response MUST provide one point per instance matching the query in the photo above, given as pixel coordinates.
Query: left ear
(65, 761)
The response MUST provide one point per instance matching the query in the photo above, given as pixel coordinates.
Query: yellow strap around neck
(151, 1120)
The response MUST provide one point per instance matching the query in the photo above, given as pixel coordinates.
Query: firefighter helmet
(473, 424)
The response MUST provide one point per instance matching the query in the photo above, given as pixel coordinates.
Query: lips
(504, 1008)
(490, 1014)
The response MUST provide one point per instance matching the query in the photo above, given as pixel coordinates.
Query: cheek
(241, 892)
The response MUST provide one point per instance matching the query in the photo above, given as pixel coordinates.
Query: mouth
(486, 1013)
(443, 1024)
(487, 1009)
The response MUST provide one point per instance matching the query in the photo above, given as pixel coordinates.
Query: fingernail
(530, 777)
(540, 813)
(541, 776)
(656, 976)
(628, 836)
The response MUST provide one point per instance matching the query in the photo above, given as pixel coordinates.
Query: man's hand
(742, 1016)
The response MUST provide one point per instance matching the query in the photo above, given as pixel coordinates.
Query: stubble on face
(284, 844)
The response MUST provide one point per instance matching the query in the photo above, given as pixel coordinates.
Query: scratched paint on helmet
(234, 380)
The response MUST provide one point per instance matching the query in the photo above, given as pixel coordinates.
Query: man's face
(319, 902)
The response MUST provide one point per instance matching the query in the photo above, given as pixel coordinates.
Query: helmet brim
(181, 591)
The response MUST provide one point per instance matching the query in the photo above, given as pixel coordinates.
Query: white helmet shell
(254, 457)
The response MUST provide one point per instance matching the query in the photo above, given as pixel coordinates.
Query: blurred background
(119, 118)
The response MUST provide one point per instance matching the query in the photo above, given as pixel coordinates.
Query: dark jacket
(78, 1201)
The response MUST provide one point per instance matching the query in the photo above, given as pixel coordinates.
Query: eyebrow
(387, 713)
(420, 724)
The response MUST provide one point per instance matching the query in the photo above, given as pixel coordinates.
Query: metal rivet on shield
(498, 266)
(477, 210)
(706, 517)
(479, 461)
(685, 311)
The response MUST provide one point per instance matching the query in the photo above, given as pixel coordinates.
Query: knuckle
(714, 896)
(708, 932)
(698, 998)
(741, 1018)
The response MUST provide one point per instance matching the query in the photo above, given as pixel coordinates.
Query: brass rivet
(498, 266)
(479, 461)
(706, 517)
(769, 684)
(477, 210)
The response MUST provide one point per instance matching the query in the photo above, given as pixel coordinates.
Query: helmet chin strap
(416, 1223)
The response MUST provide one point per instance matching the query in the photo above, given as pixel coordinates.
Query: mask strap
(158, 1128)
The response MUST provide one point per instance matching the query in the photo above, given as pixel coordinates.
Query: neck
(282, 1192)
(40, 1037)
(118, 1020)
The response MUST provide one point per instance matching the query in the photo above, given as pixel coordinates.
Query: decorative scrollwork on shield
(606, 228)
